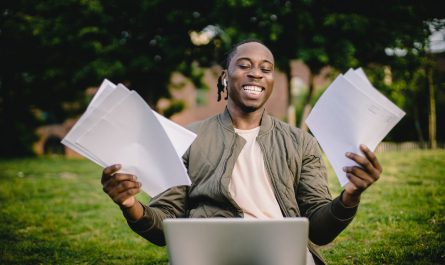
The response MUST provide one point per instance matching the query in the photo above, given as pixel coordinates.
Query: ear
(221, 84)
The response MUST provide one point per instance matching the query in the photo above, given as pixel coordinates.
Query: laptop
(236, 241)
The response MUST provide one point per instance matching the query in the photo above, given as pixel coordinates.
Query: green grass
(53, 211)
(401, 219)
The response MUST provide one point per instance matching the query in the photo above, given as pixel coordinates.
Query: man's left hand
(360, 177)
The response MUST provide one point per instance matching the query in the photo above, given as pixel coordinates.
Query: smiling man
(247, 164)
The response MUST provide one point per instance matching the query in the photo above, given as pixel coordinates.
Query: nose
(256, 73)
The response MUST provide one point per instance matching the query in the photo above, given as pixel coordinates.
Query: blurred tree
(342, 34)
(53, 50)
(391, 33)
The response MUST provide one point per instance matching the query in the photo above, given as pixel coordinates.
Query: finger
(122, 187)
(351, 187)
(124, 196)
(356, 184)
(116, 178)
(365, 163)
(371, 157)
(359, 173)
(109, 171)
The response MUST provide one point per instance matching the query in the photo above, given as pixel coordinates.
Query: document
(349, 113)
(119, 127)
(99, 106)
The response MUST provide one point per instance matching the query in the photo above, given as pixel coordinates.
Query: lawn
(53, 211)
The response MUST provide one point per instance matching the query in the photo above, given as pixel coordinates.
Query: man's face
(250, 77)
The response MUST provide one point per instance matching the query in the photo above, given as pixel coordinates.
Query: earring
(227, 89)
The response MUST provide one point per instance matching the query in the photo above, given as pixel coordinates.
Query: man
(245, 163)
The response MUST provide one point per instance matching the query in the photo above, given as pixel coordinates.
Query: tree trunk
(290, 107)
(418, 128)
(432, 126)
(307, 103)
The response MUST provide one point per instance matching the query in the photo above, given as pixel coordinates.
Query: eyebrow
(247, 58)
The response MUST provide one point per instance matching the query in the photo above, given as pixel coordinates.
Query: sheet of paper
(346, 116)
(180, 137)
(69, 140)
(362, 74)
(360, 81)
(104, 89)
(119, 127)
(130, 134)
(111, 97)
(107, 96)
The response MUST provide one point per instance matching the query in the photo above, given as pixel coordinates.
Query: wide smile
(253, 90)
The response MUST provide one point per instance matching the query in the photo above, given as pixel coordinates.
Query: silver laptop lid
(237, 241)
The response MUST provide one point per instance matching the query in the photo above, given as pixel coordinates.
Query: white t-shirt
(250, 186)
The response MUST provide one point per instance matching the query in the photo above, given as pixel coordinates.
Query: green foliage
(56, 49)
(175, 107)
(195, 73)
(300, 107)
(55, 212)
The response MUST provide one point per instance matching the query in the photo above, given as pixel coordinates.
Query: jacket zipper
(238, 209)
(274, 184)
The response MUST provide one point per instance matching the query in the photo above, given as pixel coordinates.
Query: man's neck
(245, 120)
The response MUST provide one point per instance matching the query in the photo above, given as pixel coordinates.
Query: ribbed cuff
(341, 211)
(144, 223)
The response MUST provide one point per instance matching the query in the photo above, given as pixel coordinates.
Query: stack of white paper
(119, 127)
(349, 113)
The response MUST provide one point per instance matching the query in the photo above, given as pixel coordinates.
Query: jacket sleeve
(169, 204)
(327, 217)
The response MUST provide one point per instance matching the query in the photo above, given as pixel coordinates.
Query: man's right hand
(121, 188)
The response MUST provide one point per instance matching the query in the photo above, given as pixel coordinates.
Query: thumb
(129, 202)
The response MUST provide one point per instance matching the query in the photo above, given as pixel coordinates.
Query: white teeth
(253, 89)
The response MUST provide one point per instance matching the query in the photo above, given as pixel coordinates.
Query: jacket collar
(265, 125)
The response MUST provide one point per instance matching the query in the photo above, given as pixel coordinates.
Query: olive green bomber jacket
(293, 162)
